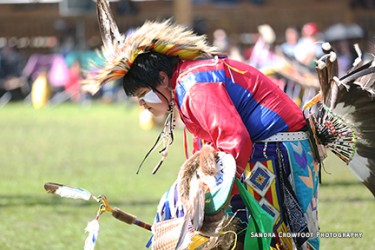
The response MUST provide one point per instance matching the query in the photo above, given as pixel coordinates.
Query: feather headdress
(120, 51)
(345, 119)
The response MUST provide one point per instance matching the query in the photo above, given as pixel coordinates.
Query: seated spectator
(291, 39)
(308, 47)
(263, 54)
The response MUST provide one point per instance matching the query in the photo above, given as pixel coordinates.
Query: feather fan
(190, 188)
(345, 120)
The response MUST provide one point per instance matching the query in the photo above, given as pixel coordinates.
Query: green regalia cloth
(260, 222)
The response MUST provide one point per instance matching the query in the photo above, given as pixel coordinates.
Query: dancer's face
(157, 102)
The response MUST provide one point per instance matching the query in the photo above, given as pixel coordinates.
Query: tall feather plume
(345, 119)
(107, 26)
(120, 51)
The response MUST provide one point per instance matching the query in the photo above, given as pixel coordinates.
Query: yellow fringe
(313, 101)
(235, 238)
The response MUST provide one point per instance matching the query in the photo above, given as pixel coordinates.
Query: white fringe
(93, 229)
(358, 60)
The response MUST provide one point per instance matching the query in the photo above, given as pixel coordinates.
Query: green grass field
(99, 148)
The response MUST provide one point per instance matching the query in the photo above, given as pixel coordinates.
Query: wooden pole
(183, 12)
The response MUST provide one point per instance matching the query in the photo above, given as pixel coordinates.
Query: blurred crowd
(53, 78)
(50, 78)
(290, 60)
(264, 50)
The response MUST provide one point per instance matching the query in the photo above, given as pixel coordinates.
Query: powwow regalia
(344, 119)
(254, 175)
